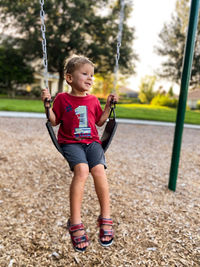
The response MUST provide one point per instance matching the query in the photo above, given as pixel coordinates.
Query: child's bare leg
(81, 172)
(102, 190)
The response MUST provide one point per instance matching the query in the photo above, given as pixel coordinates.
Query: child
(77, 113)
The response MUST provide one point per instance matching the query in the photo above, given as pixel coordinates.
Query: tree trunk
(60, 81)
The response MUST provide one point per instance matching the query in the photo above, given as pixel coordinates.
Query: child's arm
(52, 116)
(106, 111)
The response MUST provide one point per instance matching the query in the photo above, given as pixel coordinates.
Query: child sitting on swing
(77, 113)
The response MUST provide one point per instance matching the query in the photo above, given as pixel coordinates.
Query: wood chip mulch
(153, 225)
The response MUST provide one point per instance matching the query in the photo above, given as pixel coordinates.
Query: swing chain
(44, 43)
(119, 39)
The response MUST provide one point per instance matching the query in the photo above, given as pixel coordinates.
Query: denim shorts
(91, 154)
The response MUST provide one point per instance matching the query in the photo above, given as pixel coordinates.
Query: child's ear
(68, 77)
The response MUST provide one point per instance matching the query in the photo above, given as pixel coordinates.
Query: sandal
(103, 233)
(77, 239)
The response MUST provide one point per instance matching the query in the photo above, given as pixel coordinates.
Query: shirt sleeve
(99, 111)
(57, 108)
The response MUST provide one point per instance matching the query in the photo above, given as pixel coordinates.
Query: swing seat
(53, 137)
(108, 133)
(110, 128)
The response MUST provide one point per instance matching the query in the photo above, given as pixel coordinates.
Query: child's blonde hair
(75, 61)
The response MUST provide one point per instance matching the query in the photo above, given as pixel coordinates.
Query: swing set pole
(186, 73)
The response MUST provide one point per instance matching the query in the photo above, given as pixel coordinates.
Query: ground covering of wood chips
(153, 225)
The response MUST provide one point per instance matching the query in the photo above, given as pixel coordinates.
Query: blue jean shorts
(91, 154)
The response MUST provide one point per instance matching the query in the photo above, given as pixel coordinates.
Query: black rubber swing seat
(106, 138)
(109, 131)
(53, 137)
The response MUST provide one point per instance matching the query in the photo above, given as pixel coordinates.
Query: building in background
(39, 82)
(193, 98)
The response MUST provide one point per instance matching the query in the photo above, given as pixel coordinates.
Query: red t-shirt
(77, 117)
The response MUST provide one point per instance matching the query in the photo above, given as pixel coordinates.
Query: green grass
(156, 113)
(128, 111)
(146, 112)
(23, 105)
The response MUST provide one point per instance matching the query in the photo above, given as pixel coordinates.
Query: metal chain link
(44, 44)
(119, 39)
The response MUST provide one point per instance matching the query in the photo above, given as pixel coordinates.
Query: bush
(198, 104)
(164, 100)
(22, 92)
(102, 100)
(123, 99)
(36, 91)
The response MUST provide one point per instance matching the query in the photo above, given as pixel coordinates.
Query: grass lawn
(149, 112)
(128, 111)
(23, 105)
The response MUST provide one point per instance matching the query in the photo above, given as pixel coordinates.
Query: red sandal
(77, 239)
(104, 233)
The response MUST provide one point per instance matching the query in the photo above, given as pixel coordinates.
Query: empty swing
(111, 124)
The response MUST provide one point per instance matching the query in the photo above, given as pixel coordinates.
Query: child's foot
(106, 233)
(78, 236)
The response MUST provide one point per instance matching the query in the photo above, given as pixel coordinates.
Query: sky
(148, 18)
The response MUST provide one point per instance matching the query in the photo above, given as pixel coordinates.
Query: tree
(14, 70)
(104, 84)
(172, 49)
(171, 92)
(73, 26)
(172, 45)
(146, 93)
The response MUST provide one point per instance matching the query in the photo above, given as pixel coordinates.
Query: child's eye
(84, 73)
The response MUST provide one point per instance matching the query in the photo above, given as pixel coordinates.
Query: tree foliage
(14, 70)
(172, 49)
(104, 85)
(172, 45)
(72, 27)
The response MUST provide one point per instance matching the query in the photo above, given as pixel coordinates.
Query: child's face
(82, 78)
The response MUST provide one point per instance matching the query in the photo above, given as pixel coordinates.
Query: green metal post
(186, 73)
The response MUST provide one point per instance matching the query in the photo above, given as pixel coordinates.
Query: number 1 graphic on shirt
(83, 131)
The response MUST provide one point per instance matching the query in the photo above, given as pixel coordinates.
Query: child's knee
(81, 171)
(98, 170)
